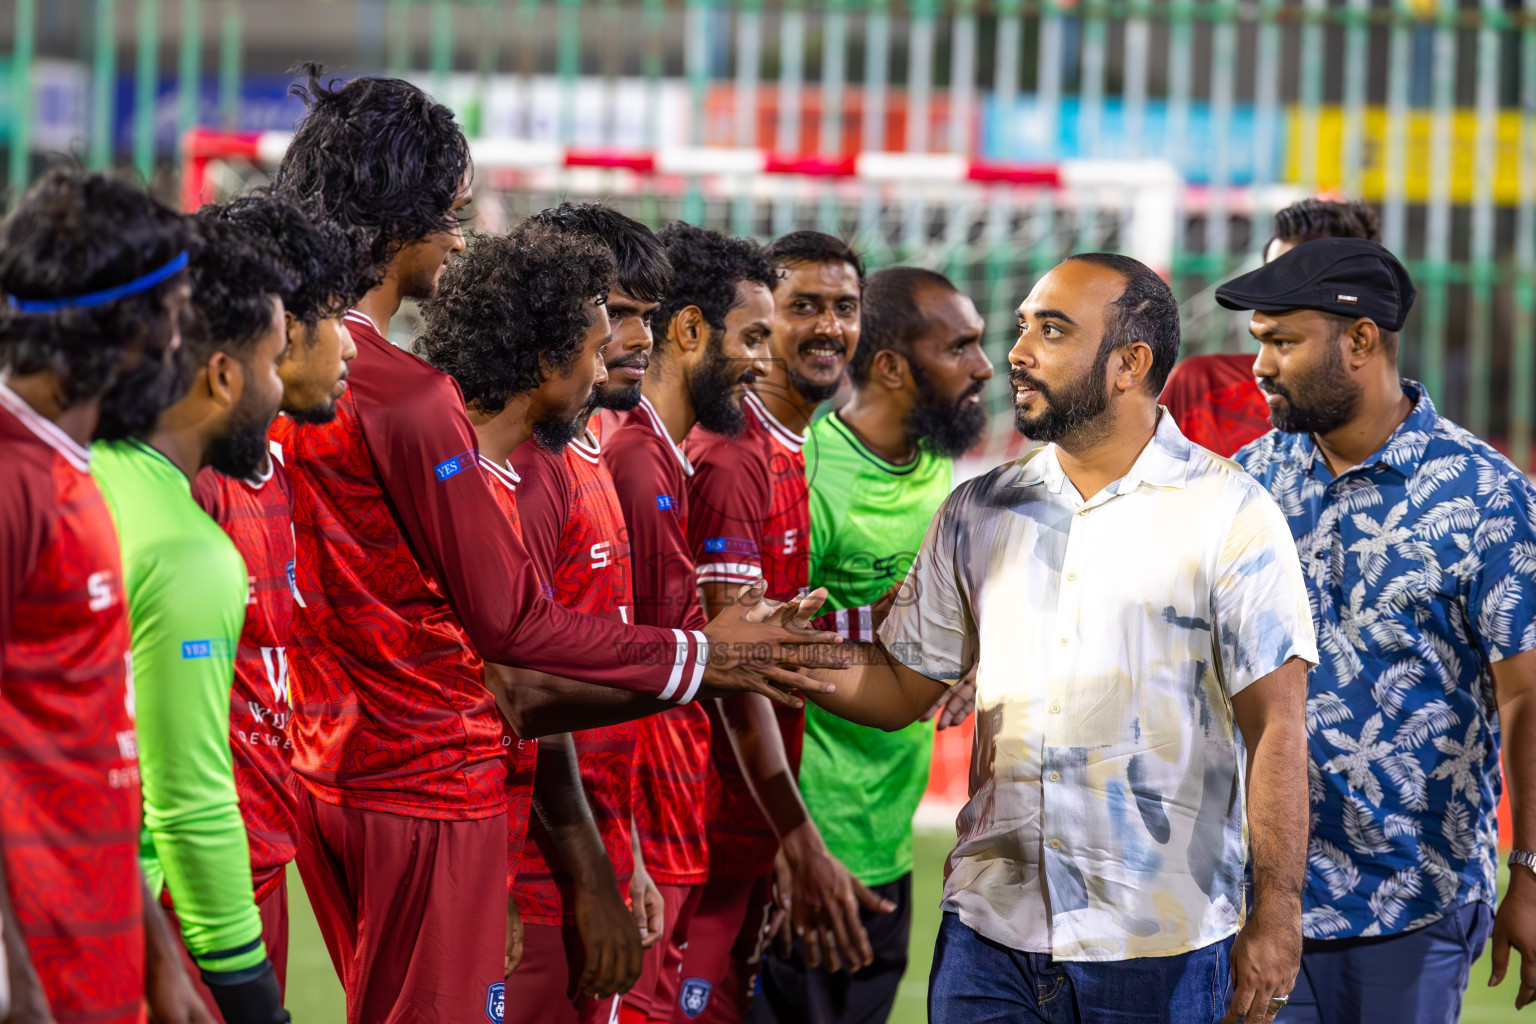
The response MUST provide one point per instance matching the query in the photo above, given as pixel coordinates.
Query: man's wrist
(802, 841)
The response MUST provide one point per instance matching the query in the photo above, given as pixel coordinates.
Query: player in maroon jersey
(407, 577)
(749, 518)
(329, 274)
(714, 327)
(93, 274)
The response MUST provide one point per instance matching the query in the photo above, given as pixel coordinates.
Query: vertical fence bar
(1138, 48)
(1522, 362)
(834, 70)
(749, 62)
(1005, 91)
(791, 79)
(440, 43)
(651, 17)
(1437, 235)
(1090, 94)
(146, 71)
(1266, 107)
(920, 35)
(1311, 88)
(103, 84)
(1181, 34)
(696, 66)
(189, 70)
(877, 70)
(398, 37)
(23, 48)
(487, 60)
(1485, 159)
(1217, 228)
(567, 65)
(1394, 211)
(1356, 72)
(230, 31)
(1048, 88)
(962, 93)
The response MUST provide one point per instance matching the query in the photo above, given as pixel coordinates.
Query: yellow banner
(1417, 166)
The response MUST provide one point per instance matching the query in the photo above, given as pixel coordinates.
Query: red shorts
(274, 934)
(723, 950)
(540, 990)
(655, 994)
(410, 910)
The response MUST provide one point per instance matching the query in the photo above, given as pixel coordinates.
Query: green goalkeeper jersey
(868, 517)
(186, 587)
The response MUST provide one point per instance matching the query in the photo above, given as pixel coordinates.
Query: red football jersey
(69, 770)
(406, 575)
(258, 516)
(749, 516)
(1216, 403)
(671, 771)
(575, 533)
(522, 755)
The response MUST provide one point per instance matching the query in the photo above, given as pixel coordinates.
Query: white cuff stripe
(840, 623)
(700, 659)
(866, 630)
(744, 569)
(679, 656)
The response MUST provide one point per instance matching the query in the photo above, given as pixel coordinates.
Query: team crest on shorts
(694, 996)
(496, 1003)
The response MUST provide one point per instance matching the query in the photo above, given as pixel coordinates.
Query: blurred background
(983, 138)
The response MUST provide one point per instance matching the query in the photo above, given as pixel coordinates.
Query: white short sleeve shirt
(1106, 817)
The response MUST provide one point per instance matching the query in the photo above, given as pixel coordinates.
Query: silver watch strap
(1524, 858)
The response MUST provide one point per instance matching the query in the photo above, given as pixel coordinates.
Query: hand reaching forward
(759, 647)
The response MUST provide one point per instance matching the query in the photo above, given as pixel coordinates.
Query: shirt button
(1055, 777)
(1082, 511)
(1055, 709)
(1063, 641)
(1071, 577)
(1055, 844)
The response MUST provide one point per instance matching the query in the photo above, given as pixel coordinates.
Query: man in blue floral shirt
(1418, 542)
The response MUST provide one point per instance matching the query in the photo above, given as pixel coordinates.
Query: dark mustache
(1019, 378)
(820, 342)
(639, 359)
(1269, 387)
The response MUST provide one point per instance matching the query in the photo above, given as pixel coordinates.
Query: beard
(554, 434)
(945, 429)
(316, 415)
(1069, 408)
(132, 405)
(620, 397)
(1316, 403)
(243, 451)
(713, 385)
(809, 389)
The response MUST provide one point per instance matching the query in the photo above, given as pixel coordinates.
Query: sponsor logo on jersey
(740, 545)
(293, 581)
(453, 467)
(215, 648)
(693, 997)
(103, 593)
(496, 1003)
(548, 591)
(665, 502)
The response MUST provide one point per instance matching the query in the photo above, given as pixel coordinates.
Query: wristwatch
(1522, 858)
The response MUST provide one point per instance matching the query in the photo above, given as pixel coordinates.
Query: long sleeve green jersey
(186, 587)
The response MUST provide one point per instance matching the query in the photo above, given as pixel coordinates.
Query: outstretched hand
(1514, 927)
(759, 646)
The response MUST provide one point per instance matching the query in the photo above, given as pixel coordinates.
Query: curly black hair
(510, 305)
(642, 262)
(329, 264)
(706, 268)
(73, 233)
(813, 247)
(235, 277)
(377, 154)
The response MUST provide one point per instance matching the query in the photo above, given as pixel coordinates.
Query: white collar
(778, 431)
(661, 432)
(47, 431)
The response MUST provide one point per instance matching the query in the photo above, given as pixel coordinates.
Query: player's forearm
(754, 733)
(537, 704)
(561, 804)
(875, 691)
(1277, 806)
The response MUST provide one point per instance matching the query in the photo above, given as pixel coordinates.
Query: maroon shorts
(655, 994)
(274, 933)
(540, 990)
(722, 951)
(410, 910)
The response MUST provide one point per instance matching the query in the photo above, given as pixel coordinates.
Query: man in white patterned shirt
(1132, 604)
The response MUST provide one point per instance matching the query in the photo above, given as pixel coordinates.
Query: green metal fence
(1425, 107)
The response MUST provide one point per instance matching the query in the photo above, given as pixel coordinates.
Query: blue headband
(106, 295)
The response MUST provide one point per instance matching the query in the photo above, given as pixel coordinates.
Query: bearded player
(328, 274)
(408, 576)
(879, 468)
(714, 327)
(749, 519)
(94, 274)
(186, 587)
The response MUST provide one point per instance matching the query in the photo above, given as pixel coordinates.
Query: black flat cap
(1352, 277)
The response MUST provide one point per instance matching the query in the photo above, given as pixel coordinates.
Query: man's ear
(891, 369)
(1135, 363)
(226, 379)
(1363, 340)
(689, 331)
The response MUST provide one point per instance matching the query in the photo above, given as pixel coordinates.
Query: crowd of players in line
(470, 599)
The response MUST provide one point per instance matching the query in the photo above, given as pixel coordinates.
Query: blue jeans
(978, 981)
(1414, 976)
